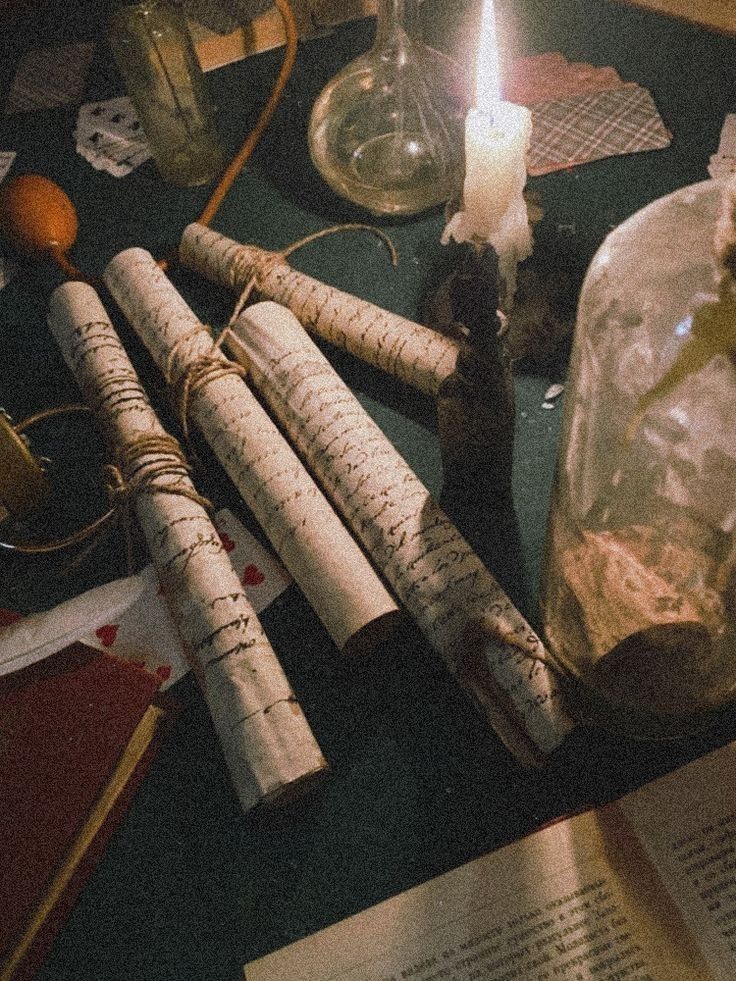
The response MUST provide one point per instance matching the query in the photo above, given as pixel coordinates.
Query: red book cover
(65, 724)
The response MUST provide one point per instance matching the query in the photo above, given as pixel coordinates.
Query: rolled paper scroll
(417, 355)
(311, 540)
(268, 745)
(453, 598)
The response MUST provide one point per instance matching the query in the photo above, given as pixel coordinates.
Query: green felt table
(190, 888)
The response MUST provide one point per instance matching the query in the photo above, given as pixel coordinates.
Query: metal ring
(42, 548)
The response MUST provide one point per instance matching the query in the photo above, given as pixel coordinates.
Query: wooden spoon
(37, 217)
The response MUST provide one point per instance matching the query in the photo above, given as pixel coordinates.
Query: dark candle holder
(475, 405)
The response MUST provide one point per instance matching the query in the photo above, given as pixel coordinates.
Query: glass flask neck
(396, 19)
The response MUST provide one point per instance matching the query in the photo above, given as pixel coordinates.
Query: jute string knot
(146, 465)
(186, 380)
(257, 264)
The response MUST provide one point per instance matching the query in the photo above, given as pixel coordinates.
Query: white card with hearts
(263, 577)
(109, 135)
(129, 617)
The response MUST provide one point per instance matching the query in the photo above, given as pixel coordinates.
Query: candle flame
(487, 74)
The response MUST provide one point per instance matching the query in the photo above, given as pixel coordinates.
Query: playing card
(48, 77)
(581, 112)
(582, 128)
(262, 576)
(144, 634)
(540, 78)
(110, 137)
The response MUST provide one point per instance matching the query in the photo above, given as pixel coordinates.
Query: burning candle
(496, 140)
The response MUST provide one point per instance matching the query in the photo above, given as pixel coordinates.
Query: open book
(644, 888)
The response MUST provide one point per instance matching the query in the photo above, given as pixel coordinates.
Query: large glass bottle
(154, 52)
(387, 131)
(639, 584)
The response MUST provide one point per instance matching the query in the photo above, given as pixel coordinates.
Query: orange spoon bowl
(36, 216)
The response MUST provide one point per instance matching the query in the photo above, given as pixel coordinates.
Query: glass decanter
(387, 131)
(639, 584)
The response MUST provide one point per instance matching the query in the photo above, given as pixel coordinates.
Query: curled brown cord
(267, 260)
(52, 413)
(56, 545)
(238, 162)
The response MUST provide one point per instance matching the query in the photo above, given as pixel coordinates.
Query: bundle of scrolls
(311, 540)
(268, 745)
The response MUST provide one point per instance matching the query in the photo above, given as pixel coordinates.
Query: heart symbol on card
(227, 543)
(107, 634)
(252, 575)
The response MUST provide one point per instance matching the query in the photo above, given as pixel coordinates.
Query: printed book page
(686, 822)
(579, 901)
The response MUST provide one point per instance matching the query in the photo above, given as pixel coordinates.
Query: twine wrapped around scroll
(149, 458)
(314, 545)
(417, 355)
(187, 381)
(272, 259)
(455, 601)
(266, 740)
(159, 456)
